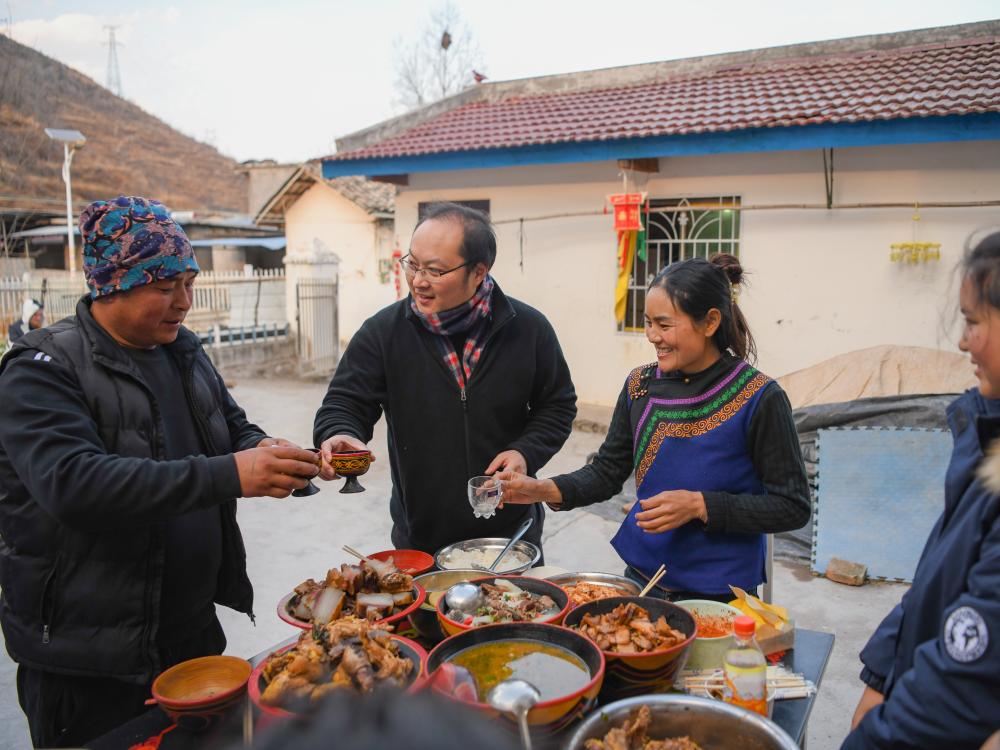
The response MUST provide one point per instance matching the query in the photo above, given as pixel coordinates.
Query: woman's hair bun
(730, 264)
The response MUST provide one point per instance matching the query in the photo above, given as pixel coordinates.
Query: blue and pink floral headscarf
(129, 242)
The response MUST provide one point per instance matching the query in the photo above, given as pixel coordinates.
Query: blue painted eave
(976, 127)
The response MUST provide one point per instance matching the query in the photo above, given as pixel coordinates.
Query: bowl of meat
(436, 584)
(645, 641)
(714, 621)
(566, 669)
(349, 653)
(589, 587)
(507, 599)
(677, 722)
(374, 590)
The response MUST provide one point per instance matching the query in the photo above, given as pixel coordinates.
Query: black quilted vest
(86, 603)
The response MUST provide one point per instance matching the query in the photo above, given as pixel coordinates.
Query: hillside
(128, 151)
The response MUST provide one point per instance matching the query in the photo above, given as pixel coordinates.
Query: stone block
(844, 571)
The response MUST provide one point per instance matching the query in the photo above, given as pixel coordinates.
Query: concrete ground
(290, 540)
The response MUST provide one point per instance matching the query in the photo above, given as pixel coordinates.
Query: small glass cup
(485, 494)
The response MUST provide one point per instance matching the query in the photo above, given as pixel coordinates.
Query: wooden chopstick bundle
(781, 683)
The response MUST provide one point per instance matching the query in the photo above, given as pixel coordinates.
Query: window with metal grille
(678, 229)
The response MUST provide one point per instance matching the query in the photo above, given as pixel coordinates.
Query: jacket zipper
(48, 595)
(465, 425)
(187, 380)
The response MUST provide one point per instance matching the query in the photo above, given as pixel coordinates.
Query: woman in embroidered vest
(710, 439)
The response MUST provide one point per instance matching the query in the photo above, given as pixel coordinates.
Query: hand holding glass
(484, 495)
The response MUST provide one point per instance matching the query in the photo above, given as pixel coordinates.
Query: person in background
(385, 719)
(122, 454)
(471, 382)
(32, 317)
(710, 439)
(932, 668)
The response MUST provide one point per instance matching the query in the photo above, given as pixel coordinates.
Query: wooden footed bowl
(351, 464)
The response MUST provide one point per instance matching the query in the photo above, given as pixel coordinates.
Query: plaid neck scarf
(472, 317)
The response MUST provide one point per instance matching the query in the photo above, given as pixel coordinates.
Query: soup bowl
(712, 724)
(531, 585)
(418, 597)
(648, 672)
(709, 653)
(547, 716)
(424, 618)
(197, 692)
(272, 714)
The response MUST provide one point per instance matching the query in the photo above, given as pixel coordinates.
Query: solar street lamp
(71, 141)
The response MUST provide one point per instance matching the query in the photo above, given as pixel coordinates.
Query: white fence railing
(224, 299)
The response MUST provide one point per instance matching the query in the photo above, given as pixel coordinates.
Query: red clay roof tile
(933, 80)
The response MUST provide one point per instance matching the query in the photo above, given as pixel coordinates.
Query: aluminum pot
(712, 724)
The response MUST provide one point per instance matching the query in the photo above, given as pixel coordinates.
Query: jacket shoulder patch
(965, 635)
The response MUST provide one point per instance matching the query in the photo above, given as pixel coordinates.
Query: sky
(283, 80)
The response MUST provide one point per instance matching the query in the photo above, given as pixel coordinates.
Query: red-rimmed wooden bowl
(419, 596)
(650, 671)
(546, 717)
(269, 714)
(410, 561)
(197, 692)
(532, 585)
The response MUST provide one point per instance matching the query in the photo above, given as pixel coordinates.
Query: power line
(114, 77)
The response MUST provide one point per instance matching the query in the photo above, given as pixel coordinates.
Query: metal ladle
(515, 697)
(522, 530)
(464, 597)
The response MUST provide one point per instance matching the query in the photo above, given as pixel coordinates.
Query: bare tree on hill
(439, 62)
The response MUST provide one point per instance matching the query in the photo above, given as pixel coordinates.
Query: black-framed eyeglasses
(411, 269)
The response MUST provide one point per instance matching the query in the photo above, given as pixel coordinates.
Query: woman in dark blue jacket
(932, 668)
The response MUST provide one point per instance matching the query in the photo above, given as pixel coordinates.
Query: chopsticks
(781, 683)
(351, 551)
(661, 571)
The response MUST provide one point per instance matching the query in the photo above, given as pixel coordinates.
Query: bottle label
(746, 687)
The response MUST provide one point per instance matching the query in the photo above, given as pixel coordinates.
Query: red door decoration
(628, 208)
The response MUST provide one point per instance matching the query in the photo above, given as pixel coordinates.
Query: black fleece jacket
(520, 397)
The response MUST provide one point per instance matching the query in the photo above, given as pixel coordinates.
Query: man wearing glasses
(471, 382)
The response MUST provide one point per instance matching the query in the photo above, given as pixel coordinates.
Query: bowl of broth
(436, 584)
(565, 667)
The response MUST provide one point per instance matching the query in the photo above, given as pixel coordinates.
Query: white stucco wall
(341, 226)
(821, 284)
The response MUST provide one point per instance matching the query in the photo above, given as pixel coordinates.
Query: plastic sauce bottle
(745, 669)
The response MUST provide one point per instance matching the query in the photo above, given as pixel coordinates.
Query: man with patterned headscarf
(121, 458)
